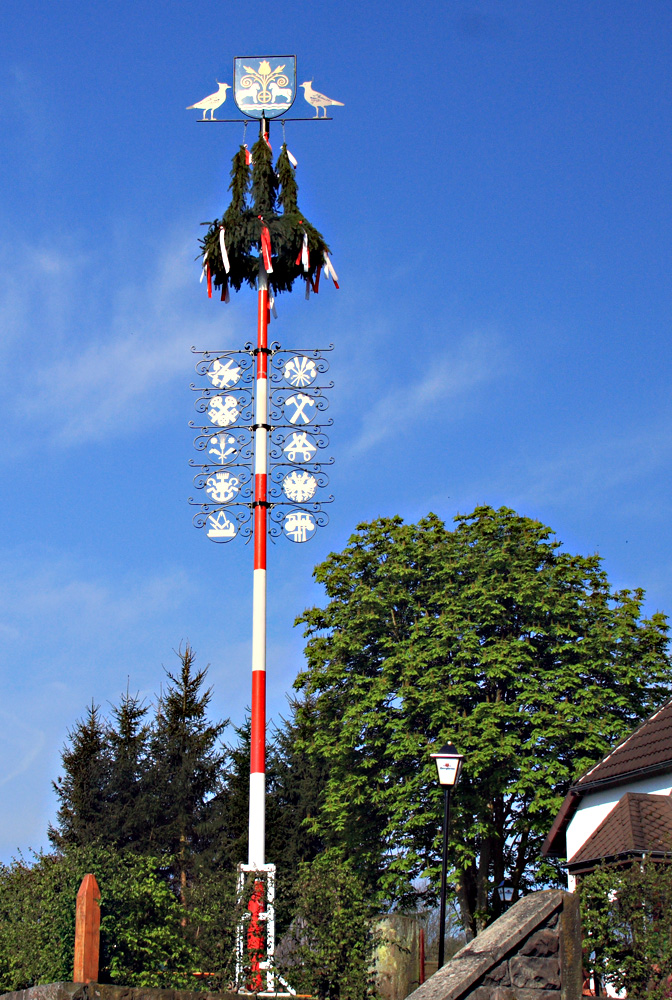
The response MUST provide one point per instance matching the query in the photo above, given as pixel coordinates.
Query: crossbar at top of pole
(248, 121)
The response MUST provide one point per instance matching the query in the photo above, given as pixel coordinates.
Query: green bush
(143, 939)
(333, 937)
(626, 913)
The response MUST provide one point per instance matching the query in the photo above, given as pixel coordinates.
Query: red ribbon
(209, 281)
(316, 282)
(266, 247)
(304, 253)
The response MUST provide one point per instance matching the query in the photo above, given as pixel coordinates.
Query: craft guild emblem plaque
(264, 85)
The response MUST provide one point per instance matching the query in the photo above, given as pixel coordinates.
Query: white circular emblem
(300, 371)
(222, 487)
(223, 410)
(220, 527)
(299, 486)
(299, 525)
(224, 374)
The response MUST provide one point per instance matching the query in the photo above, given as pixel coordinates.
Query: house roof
(646, 751)
(648, 748)
(639, 823)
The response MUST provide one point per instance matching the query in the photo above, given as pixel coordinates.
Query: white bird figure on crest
(212, 101)
(318, 100)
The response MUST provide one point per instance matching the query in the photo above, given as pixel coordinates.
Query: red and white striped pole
(257, 819)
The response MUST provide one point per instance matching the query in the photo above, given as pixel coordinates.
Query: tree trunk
(183, 876)
(464, 884)
(483, 884)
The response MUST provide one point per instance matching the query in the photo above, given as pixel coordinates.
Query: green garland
(270, 189)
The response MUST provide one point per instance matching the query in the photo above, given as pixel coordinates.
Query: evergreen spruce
(296, 781)
(239, 186)
(129, 787)
(187, 768)
(299, 779)
(289, 190)
(227, 826)
(264, 180)
(82, 791)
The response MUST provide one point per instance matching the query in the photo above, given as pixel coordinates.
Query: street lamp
(505, 893)
(448, 765)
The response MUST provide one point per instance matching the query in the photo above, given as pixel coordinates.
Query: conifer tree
(129, 787)
(227, 824)
(82, 791)
(289, 191)
(293, 783)
(187, 767)
(298, 781)
(264, 180)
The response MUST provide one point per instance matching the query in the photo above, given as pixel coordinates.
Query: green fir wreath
(271, 190)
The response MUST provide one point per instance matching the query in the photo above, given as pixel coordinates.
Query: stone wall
(100, 991)
(533, 952)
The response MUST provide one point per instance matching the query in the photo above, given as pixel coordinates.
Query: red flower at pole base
(255, 936)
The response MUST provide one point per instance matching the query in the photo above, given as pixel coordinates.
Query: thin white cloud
(85, 383)
(80, 607)
(20, 745)
(477, 361)
(590, 470)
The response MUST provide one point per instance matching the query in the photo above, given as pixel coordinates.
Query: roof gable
(646, 751)
(639, 823)
(648, 748)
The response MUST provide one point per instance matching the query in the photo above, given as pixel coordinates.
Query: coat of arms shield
(264, 85)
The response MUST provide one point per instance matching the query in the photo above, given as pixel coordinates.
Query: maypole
(257, 812)
(265, 408)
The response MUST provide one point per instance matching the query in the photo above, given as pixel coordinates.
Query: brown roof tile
(650, 746)
(638, 823)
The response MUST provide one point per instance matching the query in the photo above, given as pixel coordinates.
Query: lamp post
(505, 894)
(448, 765)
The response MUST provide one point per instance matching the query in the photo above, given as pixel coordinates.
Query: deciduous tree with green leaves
(488, 635)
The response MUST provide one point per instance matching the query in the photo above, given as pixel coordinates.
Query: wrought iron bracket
(296, 425)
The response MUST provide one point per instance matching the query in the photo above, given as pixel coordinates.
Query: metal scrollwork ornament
(296, 441)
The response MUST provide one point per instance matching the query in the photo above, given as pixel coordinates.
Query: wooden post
(87, 931)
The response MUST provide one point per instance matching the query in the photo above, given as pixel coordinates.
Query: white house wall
(597, 805)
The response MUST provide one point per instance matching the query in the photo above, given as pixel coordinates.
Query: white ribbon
(222, 247)
(292, 159)
(329, 270)
(305, 256)
(205, 265)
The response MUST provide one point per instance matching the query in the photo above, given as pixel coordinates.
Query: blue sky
(496, 192)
